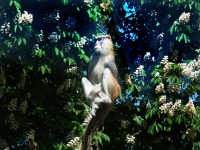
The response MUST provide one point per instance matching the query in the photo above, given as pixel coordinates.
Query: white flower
(130, 139)
(164, 60)
(159, 88)
(189, 108)
(157, 74)
(184, 18)
(162, 99)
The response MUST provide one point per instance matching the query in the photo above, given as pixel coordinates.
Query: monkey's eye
(99, 39)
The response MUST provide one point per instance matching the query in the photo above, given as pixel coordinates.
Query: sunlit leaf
(57, 51)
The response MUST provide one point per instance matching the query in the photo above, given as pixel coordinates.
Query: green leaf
(139, 120)
(17, 5)
(11, 2)
(65, 2)
(15, 28)
(171, 29)
(180, 38)
(178, 119)
(169, 121)
(19, 41)
(64, 34)
(43, 69)
(57, 51)
(70, 61)
(24, 41)
(151, 129)
(62, 54)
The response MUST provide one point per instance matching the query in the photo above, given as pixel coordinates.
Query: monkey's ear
(103, 36)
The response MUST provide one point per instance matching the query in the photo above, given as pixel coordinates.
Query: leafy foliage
(44, 54)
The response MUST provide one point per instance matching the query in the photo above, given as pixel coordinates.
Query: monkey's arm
(110, 63)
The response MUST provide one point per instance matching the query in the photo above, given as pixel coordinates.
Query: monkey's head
(103, 44)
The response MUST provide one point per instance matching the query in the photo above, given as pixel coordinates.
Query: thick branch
(94, 123)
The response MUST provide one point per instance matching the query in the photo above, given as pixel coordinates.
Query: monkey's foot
(104, 98)
(93, 112)
(108, 101)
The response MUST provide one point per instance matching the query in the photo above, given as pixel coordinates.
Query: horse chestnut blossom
(192, 69)
(189, 108)
(139, 71)
(24, 18)
(184, 17)
(159, 88)
(164, 60)
(175, 107)
(162, 99)
(157, 74)
(130, 139)
(165, 107)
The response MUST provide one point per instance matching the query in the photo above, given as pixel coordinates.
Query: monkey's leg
(87, 86)
(97, 95)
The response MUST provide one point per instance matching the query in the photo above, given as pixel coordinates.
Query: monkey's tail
(94, 123)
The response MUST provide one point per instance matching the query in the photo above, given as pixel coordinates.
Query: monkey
(101, 88)
(102, 85)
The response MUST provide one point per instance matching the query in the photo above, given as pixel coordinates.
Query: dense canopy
(45, 47)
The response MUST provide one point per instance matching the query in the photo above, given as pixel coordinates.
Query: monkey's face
(98, 45)
(103, 45)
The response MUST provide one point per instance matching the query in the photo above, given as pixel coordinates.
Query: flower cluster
(189, 108)
(148, 105)
(24, 18)
(167, 67)
(23, 106)
(67, 47)
(191, 133)
(12, 106)
(170, 108)
(68, 83)
(40, 36)
(3, 144)
(164, 60)
(192, 69)
(162, 99)
(71, 21)
(124, 123)
(165, 107)
(82, 42)
(139, 71)
(174, 88)
(73, 142)
(175, 107)
(160, 37)
(53, 17)
(159, 88)
(184, 17)
(157, 74)
(5, 28)
(104, 5)
(128, 79)
(53, 37)
(130, 139)
(72, 70)
(153, 13)
(89, 1)
(14, 124)
(148, 57)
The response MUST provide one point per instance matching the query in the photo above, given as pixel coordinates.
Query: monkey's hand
(104, 97)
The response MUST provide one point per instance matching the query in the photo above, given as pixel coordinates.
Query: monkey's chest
(96, 73)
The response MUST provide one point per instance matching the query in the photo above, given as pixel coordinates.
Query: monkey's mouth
(97, 48)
